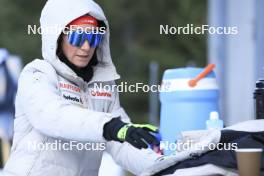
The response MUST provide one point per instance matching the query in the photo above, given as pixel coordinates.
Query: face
(79, 56)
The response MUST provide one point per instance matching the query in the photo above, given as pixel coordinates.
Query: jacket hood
(56, 14)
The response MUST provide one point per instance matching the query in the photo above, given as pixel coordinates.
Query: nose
(86, 46)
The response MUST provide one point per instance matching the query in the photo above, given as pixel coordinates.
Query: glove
(138, 135)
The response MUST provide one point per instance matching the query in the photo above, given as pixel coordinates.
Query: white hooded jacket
(54, 105)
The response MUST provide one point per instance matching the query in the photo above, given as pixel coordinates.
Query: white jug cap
(214, 115)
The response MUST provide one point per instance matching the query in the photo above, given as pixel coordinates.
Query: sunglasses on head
(78, 37)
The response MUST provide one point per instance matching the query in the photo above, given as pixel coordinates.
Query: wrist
(111, 128)
(122, 132)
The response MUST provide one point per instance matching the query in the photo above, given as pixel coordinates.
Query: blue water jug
(185, 107)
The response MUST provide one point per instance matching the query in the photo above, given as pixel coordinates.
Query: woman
(57, 102)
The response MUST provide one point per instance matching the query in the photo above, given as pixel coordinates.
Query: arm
(131, 158)
(126, 155)
(50, 114)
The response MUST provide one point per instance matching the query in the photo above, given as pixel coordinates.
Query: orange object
(207, 70)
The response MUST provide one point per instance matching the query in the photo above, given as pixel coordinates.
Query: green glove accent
(122, 133)
(146, 126)
(138, 135)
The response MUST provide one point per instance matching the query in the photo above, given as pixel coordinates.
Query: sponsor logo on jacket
(101, 94)
(69, 87)
(72, 98)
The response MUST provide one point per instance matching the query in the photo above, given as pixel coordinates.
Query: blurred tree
(15, 16)
(135, 38)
